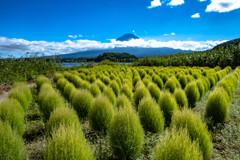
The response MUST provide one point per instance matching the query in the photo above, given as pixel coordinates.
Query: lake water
(79, 64)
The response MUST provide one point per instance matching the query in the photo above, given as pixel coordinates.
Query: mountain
(127, 37)
(137, 51)
(234, 42)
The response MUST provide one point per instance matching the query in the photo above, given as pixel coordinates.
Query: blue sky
(67, 26)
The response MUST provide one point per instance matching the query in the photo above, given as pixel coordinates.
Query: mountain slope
(127, 37)
(234, 42)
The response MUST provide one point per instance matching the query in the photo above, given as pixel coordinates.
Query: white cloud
(223, 5)
(176, 2)
(71, 36)
(202, 0)
(197, 15)
(80, 35)
(155, 3)
(13, 45)
(173, 34)
(165, 34)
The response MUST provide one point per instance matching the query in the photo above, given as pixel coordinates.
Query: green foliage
(183, 81)
(164, 78)
(18, 94)
(108, 92)
(61, 83)
(192, 93)
(168, 105)
(217, 107)
(67, 90)
(154, 91)
(181, 98)
(115, 57)
(81, 101)
(177, 145)
(201, 88)
(24, 88)
(139, 94)
(11, 112)
(151, 116)
(106, 80)
(62, 116)
(41, 80)
(158, 81)
(123, 101)
(101, 113)
(57, 76)
(115, 87)
(196, 128)
(212, 81)
(126, 134)
(170, 85)
(67, 142)
(95, 90)
(92, 78)
(12, 145)
(100, 84)
(127, 91)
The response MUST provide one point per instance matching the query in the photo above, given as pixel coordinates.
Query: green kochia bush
(196, 128)
(62, 116)
(181, 98)
(57, 76)
(41, 80)
(100, 84)
(61, 83)
(127, 91)
(101, 113)
(67, 142)
(154, 91)
(18, 94)
(106, 80)
(114, 85)
(123, 101)
(201, 88)
(25, 89)
(81, 101)
(108, 92)
(212, 81)
(67, 90)
(126, 134)
(170, 85)
(192, 93)
(12, 145)
(183, 81)
(168, 105)
(151, 116)
(177, 145)
(139, 94)
(95, 90)
(158, 81)
(12, 112)
(217, 106)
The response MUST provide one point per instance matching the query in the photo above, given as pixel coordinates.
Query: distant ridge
(227, 44)
(127, 37)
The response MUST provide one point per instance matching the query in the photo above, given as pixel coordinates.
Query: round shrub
(95, 90)
(181, 98)
(57, 76)
(136, 79)
(108, 92)
(126, 134)
(106, 80)
(190, 78)
(212, 81)
(196, 75)
(101, 113)
(51, 100)
(12, 145)
(100, 84)
(62, 116)
(61, 83)
(183, 81)
(177, 145)
(118, 81)
(196, 128)
(158, 81)
(12, 112)
(42, 79)
(82, 76)
(86, 85)
(146, 81)
(217, 107)
(151, 116)
(45, 88)
(81, 100)
(154, 91)
(78, 82)
(139, 84)
(67, 90)
(25, 89)
(123, 101)
(228, 86)
(127, 91)
(168, 105)
(139, 94)
(170, 85)
(192, 93)
(165, 78)
(112, 76)
(67, 142)
(92, 78)
(201, 88)
(17, 93)
(115, 87)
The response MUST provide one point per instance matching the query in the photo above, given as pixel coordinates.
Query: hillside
(127, 37)
(227, 44)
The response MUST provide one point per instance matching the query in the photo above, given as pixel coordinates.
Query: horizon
(64, 27)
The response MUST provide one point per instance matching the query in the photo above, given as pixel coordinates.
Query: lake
(79, 64)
